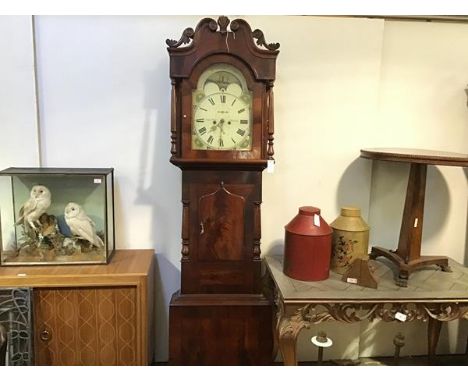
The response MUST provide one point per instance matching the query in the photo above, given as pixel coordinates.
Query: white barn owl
(81, 225)
(37, 204)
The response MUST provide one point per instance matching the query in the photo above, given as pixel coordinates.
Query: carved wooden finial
(223, 22)
(187, 35)
(221, 26)
(258, 35)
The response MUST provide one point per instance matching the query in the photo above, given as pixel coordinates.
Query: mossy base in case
(38, 257)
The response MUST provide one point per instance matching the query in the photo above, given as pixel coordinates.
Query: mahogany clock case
(220, 315)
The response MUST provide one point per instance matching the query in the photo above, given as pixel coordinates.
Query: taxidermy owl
(81, 225)
(38, 203)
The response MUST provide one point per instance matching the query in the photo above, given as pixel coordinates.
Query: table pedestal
(408, 255)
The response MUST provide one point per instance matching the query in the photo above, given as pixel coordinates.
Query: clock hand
(221, 123)
(213, 128)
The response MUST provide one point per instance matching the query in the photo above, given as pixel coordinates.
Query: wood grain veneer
(91, 314)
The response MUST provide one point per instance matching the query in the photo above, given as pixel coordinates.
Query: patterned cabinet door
(86, 326)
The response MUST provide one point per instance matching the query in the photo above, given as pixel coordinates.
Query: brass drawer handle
(45, 335)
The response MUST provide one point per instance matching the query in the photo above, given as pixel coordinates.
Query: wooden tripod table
(407, 256)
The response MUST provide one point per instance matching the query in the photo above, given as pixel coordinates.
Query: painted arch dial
(222, 110)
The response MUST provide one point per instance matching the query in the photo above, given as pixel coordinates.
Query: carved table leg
(433, 333)
(288, 330)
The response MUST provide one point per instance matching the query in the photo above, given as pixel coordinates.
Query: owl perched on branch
(81, 225)
(38, 203)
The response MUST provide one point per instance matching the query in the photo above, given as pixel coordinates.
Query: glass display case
(56, 216)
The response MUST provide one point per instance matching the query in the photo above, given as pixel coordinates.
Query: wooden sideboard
(91, 314)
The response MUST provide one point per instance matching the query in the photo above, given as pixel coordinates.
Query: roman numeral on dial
(210, 139)
(211, 100)
(244, 121)
(223, 98)
(221, 143)
(241, 111)
(241, 132)
(200, 120)
(202, 130)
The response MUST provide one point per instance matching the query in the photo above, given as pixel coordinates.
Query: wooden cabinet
(91, 314)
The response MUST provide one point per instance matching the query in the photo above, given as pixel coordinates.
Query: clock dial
(222, 122)
(222, 111)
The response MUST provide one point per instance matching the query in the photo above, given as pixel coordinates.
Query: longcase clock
(222, 77)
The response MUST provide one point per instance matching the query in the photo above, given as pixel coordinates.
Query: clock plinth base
(220, 329)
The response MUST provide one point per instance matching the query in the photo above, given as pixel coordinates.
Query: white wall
(105, 102)
(18, 125)
(342, 84)
(326, 97)
(18, 129)
(422, 104)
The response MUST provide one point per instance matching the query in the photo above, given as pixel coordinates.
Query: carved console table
(433, 296)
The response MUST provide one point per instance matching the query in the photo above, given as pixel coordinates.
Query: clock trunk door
(221, 216)
(221, 239)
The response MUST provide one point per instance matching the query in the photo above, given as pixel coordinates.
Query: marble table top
(427, 284)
